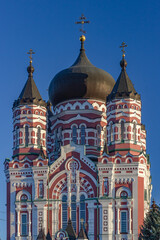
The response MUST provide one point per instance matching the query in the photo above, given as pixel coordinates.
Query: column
(100, 184)
(29, 222)
(91, 220)
(118, 220)
(12, 210)
(111, 219)
(55, 218)
(130, 220)
(18, 223)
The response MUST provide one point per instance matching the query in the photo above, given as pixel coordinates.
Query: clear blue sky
(48, 27)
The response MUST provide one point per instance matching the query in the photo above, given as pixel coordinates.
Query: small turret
(29, 120)
(124, 87)
(70, 230)
(125, 133)
(41, 235)
(82, 234)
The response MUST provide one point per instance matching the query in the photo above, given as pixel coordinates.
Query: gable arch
(125, 189)
(20, 193)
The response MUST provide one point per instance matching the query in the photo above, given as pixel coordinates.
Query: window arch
(122, 130)
(123, 189)
(24, 198)
(82, 208)
(39, 137)
(123, 194)
(64, 212)
(74, 134)
(73, 211)
(26, 136)
(82, 134)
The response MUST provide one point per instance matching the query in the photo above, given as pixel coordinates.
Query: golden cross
(82, 22)
(123, 45)
(30, 54)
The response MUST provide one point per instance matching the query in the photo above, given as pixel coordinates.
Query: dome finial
(30, 54)
(123, 62)
(30, 68)
(82, 39)
(82, 22)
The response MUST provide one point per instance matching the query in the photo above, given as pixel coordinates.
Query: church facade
(78, 158)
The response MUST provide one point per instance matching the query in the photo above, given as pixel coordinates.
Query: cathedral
(79, 168)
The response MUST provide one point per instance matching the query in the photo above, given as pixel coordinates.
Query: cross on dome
(123, 46)
(82, 22)
(30, 54)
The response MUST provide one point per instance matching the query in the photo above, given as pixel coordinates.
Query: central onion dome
(80, 81)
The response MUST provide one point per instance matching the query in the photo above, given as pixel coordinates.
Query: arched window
(39, 137)
(111, 132)
(64, 212)
(82, 134)
(82, 209)
(74, 134)
(122, 130)
(24, 197)
(26, 136)
(124, 194)
(134, 132)
(73, 211)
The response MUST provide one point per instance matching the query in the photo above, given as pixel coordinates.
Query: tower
(26, 172)
(79, 167)
(124, 172)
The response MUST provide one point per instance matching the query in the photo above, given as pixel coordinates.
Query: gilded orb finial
(82, 38)
(123, 46)
(30, 54)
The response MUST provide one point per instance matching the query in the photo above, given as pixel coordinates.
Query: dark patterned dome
(81, 80)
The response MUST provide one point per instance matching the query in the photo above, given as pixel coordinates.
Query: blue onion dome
(80, 81)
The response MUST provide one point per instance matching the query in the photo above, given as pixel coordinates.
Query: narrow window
(74, 134)
(17, 137)
(73, 211)
(82, 209)
(64, 212)
(145, 194)
(122, 130)
(123, 222)
(24, 224)
(98, 136)
(82, 135)
(134, 132)
(39, 137)
(111, 132)
(56, 141)
(26, 136)
(40, 189)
